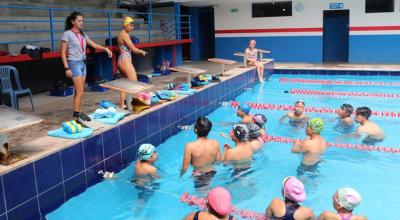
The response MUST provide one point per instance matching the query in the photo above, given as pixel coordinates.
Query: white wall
(310, 17)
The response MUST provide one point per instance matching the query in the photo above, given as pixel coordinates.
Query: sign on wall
(234, 10)
(336, 5)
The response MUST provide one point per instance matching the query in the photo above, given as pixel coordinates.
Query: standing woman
(73, 56)
(126, 46)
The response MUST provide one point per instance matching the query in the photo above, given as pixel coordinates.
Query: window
(376, 6)
(272, 9)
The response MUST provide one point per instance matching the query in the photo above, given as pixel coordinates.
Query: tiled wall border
(32, 191)
(337, 72)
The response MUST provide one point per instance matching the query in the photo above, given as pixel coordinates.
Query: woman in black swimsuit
(290, 209)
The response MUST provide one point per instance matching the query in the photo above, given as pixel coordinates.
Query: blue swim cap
(145, 151)
(245, 108)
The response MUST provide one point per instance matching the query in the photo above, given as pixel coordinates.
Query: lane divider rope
(337, 82)
(360, 147)
(274, 107)
(339, 93)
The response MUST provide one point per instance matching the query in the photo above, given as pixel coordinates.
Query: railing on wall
(46, 25)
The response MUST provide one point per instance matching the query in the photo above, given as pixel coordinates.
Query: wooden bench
(222, 62)
(189, 71)
(129, 87)
(12, 119)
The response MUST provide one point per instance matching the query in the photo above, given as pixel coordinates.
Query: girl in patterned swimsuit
(126, 46)
(251, 53)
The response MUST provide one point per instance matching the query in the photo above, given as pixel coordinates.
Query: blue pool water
(373, 174)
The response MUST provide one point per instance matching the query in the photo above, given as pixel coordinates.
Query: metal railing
(98, 24)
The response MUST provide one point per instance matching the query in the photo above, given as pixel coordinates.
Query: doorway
(336, 36)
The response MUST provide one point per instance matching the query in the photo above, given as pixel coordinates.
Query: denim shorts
(78, 67)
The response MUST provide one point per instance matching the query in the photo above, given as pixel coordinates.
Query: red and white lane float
(360, 147)
(340, 93)
(274, 107)
(337, 82)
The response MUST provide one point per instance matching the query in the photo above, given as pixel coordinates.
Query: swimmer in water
(314, 145)
(241, 155)
(243, 112)
(297, 117)
(290, 208)
(345, 200)
(145, 171)
(372, 131)
(344, 113)
(257, 133)
(219, 207)
(201, 154)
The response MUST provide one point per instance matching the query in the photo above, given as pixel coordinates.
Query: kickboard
(12, 119)
(128, 86)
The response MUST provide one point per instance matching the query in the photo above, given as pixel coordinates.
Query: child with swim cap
(344, 113)
(243, 112)
(314, 145)
(345, 200)
(294, 193)
(297, 117)
(145, 170)
(218, 204)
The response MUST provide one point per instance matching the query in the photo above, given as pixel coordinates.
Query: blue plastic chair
(7, 88)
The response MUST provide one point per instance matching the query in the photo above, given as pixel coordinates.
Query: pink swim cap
(293, 189)
(219, 200)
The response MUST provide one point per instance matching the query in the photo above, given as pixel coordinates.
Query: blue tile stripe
(73, 169)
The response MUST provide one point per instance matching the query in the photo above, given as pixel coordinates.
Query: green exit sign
(234, 10)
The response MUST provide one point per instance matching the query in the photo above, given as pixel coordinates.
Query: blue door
(336, 36)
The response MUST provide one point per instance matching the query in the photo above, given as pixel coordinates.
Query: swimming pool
(373, 174)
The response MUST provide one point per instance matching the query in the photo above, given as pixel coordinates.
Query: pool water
(373, 174)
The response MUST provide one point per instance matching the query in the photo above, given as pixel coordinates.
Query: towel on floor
(71, 127)
(104, 113)
(111, 121)
(187, 92)
(139, 105)
(182, 87)
(166, 95)
(86, 132)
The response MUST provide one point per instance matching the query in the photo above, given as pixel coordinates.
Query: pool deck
(34, 142)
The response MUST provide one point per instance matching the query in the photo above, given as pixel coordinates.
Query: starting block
(12, 119)
(222, 62)
(189, 71)
(131, 88)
